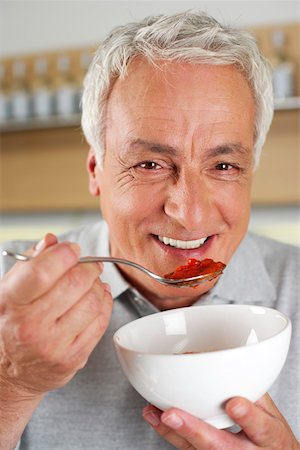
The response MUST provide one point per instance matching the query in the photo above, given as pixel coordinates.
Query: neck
(163, 301)
(164, 297)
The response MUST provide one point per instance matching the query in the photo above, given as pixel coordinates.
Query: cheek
(235, 205)
(130, 205)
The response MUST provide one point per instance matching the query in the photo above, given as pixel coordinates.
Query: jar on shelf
(283, 67)
(85, 59)
(5, 112)
(66, 89)
(42, 90)
(21, 105)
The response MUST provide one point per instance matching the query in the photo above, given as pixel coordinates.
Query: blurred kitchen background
(45, 48)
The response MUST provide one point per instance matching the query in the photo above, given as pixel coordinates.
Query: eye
(225, 166)
(226, 171)
(149, 165)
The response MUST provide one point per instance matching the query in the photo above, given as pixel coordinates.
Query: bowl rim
(288, 325)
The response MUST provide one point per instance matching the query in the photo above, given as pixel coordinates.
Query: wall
(32, 26)
(29, 26)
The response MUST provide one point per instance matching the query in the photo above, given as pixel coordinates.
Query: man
(175, 110)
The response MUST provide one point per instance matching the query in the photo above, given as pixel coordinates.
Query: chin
(164, 297)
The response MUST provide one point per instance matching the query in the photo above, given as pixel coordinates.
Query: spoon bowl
(180, 283)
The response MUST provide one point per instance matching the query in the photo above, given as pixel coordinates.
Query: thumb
(48, 240)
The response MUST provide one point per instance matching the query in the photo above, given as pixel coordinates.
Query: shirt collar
(245, 280)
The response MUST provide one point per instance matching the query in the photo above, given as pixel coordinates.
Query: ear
(91, 165)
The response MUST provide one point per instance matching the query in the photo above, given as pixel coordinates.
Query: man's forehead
(186, 85)
(171, 70)
(156, 111)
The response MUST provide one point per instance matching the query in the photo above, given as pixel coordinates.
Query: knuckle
(2, 301)
(93, 299)
(99, 332)
(105, 319)
(46, 353)
(68, 250)
(26, 332)
(109, 299)
(82, 276)
(41, 276)
(5, 293)
(70, 364)
(100, 328)
(106, 304)
(217, 445)
(48, 349)
(63, 367)
(75, 278)
(188, 447)
(2, 289)
(279, 439)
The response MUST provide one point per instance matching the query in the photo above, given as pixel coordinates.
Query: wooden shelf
(73, 120)
(286, 104)
(32, 124)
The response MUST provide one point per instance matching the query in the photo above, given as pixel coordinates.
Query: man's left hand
(263, 427)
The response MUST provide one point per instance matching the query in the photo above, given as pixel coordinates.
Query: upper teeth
(182, 244)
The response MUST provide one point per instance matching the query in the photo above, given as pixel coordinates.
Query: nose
(190, 202)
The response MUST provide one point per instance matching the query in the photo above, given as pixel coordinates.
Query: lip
(185, 253)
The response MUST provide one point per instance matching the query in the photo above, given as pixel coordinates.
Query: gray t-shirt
(98, 409)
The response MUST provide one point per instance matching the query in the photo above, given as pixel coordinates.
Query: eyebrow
(228, 149)
(154, 147)
(224, 149)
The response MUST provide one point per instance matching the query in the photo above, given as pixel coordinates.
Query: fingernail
(39, 247)
(152, 418)
(239, 409)
(173, 421)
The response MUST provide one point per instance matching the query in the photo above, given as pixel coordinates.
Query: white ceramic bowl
(244, 349)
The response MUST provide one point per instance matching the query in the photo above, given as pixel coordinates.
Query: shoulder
(282, 264)
(273, 252)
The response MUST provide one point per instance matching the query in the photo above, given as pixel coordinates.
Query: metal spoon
(185, 282)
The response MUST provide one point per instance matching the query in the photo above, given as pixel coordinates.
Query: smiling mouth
(176, 243)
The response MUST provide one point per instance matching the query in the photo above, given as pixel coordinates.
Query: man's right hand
(53, 312)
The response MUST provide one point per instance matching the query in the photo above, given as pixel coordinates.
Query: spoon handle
(89, 259)
(186, 282)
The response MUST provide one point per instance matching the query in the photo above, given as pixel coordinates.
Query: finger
(152, 416)
(85, 342)
(48, 240)
(186, 431)
(65, 339)
(198, 433)
(258, 424)
(28, 280)
(91, 306)
(95, 331)
(266, 404)
(68, 290)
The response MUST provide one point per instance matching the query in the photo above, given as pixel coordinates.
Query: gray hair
(190, 37)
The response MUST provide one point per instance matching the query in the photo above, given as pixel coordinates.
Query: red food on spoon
(194, 268)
